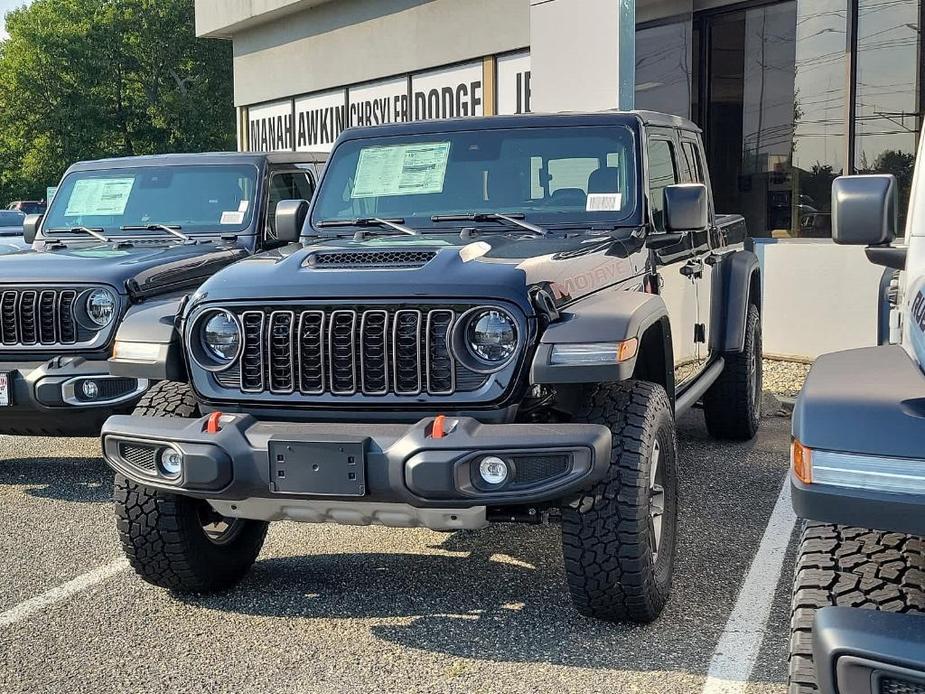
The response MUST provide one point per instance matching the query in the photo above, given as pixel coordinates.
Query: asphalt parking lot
(336, 609)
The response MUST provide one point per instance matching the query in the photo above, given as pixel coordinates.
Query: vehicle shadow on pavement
(83, 480)
(499, 593)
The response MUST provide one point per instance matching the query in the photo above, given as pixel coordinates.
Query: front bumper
(371, 473)
(47, 397)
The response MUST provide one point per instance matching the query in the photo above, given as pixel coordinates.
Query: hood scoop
(339, 260)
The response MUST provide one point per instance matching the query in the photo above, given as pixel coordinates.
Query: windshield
(552, 175)
(213, 198)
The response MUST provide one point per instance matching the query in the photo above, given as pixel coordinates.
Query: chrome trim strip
(449, 351)
(322, 352)
(385, 352)
(420, 320)
(269, 346)
(353, 350)
(69, 394)
(244, 315)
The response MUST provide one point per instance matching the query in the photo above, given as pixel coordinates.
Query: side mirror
(865, 210)
(686, 207)
(30, 227)
(290, 218)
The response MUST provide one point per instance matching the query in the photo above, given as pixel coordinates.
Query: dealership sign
(312, 123)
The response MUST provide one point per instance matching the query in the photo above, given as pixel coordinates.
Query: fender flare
(148, 343)
(604, 317)
(739, 286)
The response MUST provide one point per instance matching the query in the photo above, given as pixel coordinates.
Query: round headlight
(101, 307)
(221, 337)
(491, 336)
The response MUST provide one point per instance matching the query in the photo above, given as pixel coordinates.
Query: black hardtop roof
(255, 158)
(527, 120)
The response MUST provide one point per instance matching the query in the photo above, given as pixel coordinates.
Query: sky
(6, 5)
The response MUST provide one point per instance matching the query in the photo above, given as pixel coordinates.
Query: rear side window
(663, 172)
(286, 185)
(694, 164)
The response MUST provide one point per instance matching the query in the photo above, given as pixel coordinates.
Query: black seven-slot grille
(38, 316)
(347, 351)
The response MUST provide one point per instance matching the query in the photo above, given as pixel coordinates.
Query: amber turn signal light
(801, 460)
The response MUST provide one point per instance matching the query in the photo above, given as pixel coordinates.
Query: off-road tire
(162, 534)
(607, 539)
(168, 399)
(849, 567)
(732, 405)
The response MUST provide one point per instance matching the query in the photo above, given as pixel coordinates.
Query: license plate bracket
(323, 468)
(5, 397)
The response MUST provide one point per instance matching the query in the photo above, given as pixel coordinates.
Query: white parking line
(737, 649)
(40, 602)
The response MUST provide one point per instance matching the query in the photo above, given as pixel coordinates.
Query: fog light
(171, 462)
(493, 470)
(90, 390)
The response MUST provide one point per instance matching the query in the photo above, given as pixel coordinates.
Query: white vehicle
(858, 474)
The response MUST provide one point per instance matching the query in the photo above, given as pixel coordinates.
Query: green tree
(85, 79)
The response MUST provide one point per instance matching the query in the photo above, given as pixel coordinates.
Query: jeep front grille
(38, 317)
(346, 351)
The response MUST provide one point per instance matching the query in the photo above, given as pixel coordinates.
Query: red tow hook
(438, 428)
(213, 423)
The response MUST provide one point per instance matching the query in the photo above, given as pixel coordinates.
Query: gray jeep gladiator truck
(123, 236)
(858, 475)
(484, 320)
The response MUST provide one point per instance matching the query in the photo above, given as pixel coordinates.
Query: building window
(663, 68)
(887, 117)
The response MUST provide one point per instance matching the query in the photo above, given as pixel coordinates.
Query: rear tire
(618, 538)
(732, 405)
(849, 567)
(174, 541)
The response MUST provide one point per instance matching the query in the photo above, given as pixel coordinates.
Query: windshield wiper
(95, 233)
(513, 219)
(394, 224)
(170, 229)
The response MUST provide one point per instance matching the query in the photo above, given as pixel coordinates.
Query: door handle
(692, 268)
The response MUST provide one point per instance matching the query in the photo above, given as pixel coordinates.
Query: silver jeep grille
(344, 351)
(38, 317)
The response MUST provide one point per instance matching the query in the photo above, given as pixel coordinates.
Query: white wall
(818, 297)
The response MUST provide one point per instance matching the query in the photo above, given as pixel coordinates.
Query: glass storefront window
(887, 118)
(820, 90)
(663, 68)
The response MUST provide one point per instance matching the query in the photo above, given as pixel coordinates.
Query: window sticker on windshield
(416, 169)
(99, 196)
(244, 205)
(232, 217)
(604, 202)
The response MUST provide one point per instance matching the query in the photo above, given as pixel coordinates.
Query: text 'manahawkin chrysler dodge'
(123, 236)
(485, 320)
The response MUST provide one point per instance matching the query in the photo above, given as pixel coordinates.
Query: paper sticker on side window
(604, 202)
(401, 170)
(99, 196)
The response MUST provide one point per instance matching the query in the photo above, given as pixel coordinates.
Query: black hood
(433, 266)
(143, 267)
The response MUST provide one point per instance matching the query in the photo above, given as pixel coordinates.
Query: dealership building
(789, 93)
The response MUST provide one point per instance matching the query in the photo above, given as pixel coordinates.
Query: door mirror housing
(865, 210)
(686, 207)
(290, 218)
(30, 227)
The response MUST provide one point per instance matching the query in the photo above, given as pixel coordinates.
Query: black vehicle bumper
(47, 398)
(861, 415)
(393, 474)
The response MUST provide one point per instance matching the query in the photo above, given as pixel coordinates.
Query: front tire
(849, 567)
(174, 541)
(732, 405)
(618, 538)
